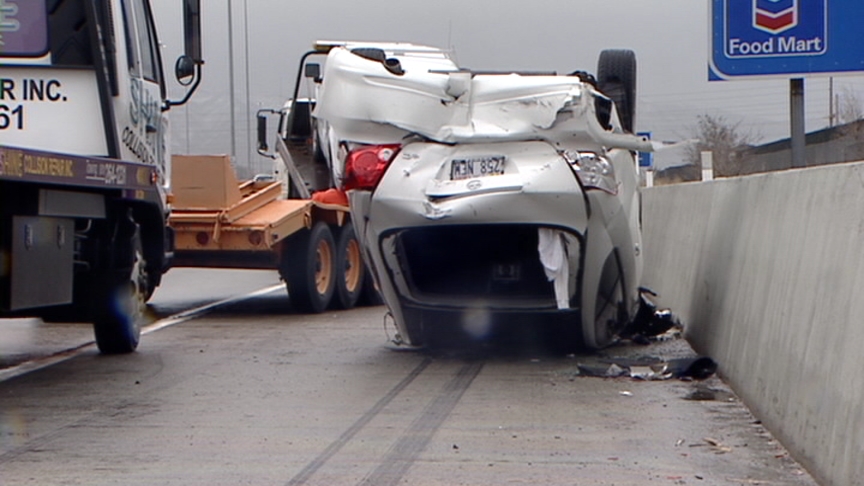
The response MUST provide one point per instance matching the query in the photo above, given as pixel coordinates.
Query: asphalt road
(249, 392)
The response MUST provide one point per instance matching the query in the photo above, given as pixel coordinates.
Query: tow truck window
(143, 61)
(23, 28)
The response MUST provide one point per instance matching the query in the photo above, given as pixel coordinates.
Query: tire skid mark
(179, 318)
(38, 442)
(405, 451)
(331, 450)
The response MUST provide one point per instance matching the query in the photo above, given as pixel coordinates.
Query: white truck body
(84, 161)
(48, 103)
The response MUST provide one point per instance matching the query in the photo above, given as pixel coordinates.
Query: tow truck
(85, 167)
(294, 220)
(94, 207)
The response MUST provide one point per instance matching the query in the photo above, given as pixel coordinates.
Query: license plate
(472, 167)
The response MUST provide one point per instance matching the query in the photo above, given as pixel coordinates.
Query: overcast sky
(670, 38)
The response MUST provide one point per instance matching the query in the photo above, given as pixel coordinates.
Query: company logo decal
(775, 16)
(775, 28)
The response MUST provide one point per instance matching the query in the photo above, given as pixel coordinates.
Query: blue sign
(791, 38)
(646, 159)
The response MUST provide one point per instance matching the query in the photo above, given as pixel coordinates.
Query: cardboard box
(203, 182)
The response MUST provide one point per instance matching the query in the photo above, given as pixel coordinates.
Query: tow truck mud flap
(42, 247)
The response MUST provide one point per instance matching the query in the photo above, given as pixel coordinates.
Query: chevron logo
(775, 16)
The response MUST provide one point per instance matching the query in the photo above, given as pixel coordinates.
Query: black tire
(370, 295)
(616, 78)
(350, 269)
(148, 292)
(609, 317)
(309, 268)
(121, 300)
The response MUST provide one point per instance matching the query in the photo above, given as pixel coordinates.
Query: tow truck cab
(84, 158)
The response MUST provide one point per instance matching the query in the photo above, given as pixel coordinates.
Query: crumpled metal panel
(362, 101)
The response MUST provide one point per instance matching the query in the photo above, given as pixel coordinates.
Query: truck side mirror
(184, 70)
(262, 115)
(187, 70)
(313, 70)
(262, 133)
(192, 29)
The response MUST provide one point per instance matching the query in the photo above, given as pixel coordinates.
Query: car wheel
(350, 269)
(369, 294)
(308, 268)
(616, 78)
(608, 308)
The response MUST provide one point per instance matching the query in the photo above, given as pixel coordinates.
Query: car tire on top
(616, 78)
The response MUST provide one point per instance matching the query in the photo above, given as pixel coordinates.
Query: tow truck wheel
(309, 270)
(350, 270)
(117, 325)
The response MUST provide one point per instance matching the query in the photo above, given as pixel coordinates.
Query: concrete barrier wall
(767, 274)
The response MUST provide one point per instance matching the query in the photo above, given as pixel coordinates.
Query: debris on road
(650, 322)
(652, 326)
(718, 446)
(697, 368)
(603, 370)
(651, 369)
(704, 393)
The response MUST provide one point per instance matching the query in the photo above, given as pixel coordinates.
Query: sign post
(798, 138)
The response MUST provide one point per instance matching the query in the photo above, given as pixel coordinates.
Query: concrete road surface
(253, 393)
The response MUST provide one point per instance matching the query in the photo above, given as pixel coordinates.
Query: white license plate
(471, 167)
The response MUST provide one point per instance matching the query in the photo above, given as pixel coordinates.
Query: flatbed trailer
(221, 222)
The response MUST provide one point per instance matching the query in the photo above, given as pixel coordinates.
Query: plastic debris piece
(611, 370)
(615, 370)
(698, 368)
(650, 321)
(652, 372)
(718, 446)
(654, 369)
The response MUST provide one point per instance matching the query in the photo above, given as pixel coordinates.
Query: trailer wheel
(121, 302)
(350, 269)
(309, 269)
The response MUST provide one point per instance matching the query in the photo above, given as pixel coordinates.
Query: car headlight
(594, 171)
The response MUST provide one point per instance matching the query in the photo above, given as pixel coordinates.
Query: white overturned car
(486, 197)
